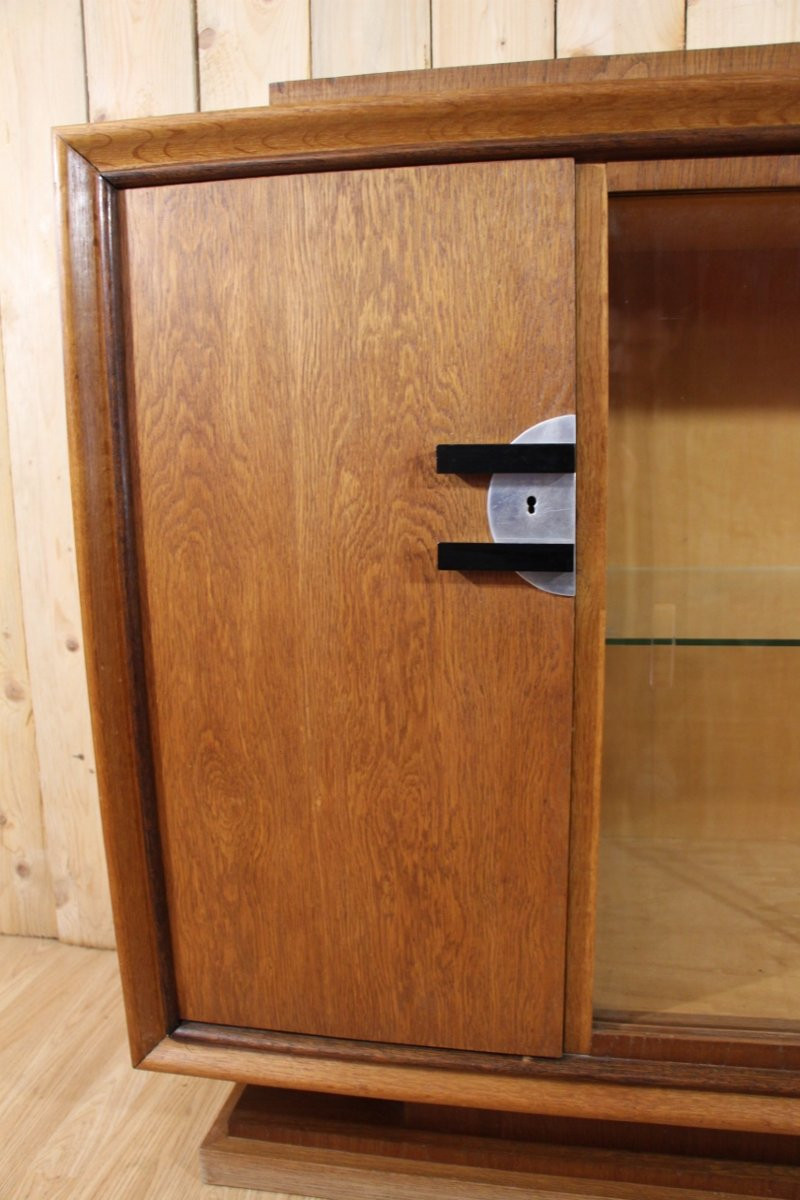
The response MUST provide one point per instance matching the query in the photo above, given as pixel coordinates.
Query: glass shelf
(699, 606)
(659, 641)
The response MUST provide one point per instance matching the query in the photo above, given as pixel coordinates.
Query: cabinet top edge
(780, 56)
(736, 113)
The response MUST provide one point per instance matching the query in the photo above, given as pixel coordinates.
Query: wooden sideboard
(352, 802)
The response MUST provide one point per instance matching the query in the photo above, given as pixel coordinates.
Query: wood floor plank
(78, 1122)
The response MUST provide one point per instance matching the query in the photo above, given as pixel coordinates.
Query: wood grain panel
(741, 22)
(27, 904)
(140, 57)
(41, 83)
(243, 45)
(667, 64)
(354, 36)
(585, 27)
(370, 749)
(490, 31)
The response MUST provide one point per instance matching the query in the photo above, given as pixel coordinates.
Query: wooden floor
(76, 1122)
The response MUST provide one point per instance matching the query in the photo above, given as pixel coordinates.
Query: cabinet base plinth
(341, 1148)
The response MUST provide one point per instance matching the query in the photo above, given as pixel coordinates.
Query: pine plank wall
(65, 61)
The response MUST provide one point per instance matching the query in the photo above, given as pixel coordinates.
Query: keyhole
(531, 504)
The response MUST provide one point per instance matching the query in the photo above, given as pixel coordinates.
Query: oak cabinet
(353, 802)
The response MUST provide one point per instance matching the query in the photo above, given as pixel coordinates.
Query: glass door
(699, 893)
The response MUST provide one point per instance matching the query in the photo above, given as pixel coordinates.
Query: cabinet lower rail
(575, 1086)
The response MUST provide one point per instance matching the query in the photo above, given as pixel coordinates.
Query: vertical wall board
(741, 22)
(618, 27)
(245, 45)
(26, 892)
(352, 37)
(42, 84)
(468, 32)
(140, 57)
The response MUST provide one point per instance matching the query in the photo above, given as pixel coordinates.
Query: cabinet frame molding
(590, 122)
(594, 122)
(460, 1087)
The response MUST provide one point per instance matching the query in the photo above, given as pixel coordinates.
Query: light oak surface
(741, 22)
(345, 805)
(42, 83)
(245, 45)
(490, 31)
(26, 892)
(351, 37)
(78, 1122)
(585, 27)
(139, 57)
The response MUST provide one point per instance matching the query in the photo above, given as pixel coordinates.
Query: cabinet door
(362, 763)
(699, 914)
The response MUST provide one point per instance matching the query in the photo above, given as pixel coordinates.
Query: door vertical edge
(591, 246)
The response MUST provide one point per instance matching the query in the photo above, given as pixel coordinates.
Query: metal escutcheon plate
(537, 508)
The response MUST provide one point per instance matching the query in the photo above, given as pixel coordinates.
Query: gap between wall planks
(147, 57)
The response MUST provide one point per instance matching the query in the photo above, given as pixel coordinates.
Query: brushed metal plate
(537, 508)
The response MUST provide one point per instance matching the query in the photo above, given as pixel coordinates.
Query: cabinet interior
(698, 919)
